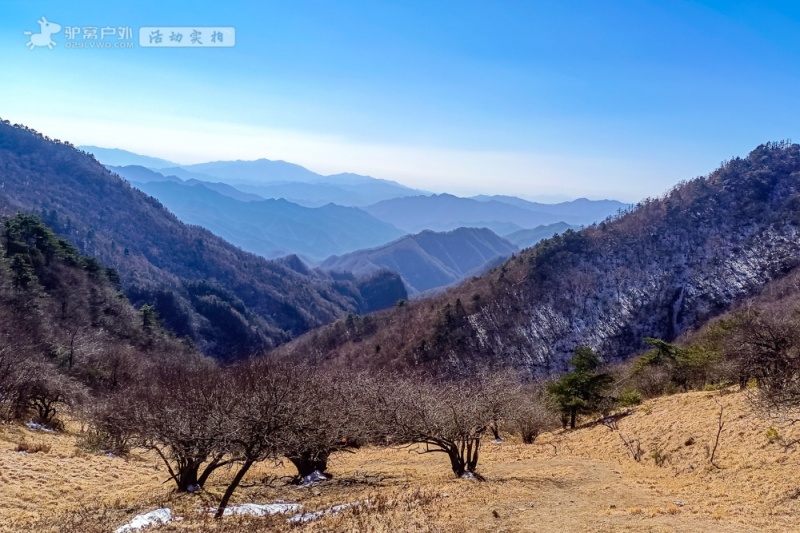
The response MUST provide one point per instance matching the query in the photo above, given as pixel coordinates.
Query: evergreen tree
(580, 391)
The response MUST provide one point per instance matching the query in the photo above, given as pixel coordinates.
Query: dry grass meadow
(584, 480)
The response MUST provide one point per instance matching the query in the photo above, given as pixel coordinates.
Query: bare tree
(447, 417)
(262, 416)
(528, 412)
(333, 414)
(765, 347)
(111, 422)
(46, 390)
(181, 413)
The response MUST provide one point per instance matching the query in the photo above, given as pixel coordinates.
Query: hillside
(667, 265)
(273, 228)
(429, 260)
(578, 481)
(229, 301)
(65, 329)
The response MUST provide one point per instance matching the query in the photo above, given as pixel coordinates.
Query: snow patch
(310, 517)
(142, 521)
(33, 426)
(314, 477)
(255, 509)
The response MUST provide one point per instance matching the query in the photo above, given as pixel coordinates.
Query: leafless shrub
(529, 413)
(110, 424)
(445, 417)
(332, 413)
(633, 446)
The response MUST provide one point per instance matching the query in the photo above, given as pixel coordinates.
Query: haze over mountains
(407, 209)
(443, 212)
(658, 270)
(273, 228)
(230, 302)
(268, 179)
(429, 260)
(275, 208)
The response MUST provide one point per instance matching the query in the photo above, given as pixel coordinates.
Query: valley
(399, 267)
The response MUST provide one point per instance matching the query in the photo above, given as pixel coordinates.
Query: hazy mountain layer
(440, 212)
(273, 228)
(580, 212)
(525, 238)
(230, 301)
(429, 260)
(117, 157)
(666, 266)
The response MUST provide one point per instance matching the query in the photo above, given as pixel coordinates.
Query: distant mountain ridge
(657, 270)
(440, 212)
(118, 157)
(232, 303)
(429, 260)
(273, 228)
(525, 238)
(581, 212)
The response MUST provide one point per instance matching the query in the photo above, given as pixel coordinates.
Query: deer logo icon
(43, 37)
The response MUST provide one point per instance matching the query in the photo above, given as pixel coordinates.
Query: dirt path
(568, 494)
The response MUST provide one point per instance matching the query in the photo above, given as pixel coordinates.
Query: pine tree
(580, 391)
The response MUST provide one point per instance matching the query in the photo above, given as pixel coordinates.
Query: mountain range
(443, 212)
(273, 228)
(276, 228)
(230, 302)
(656, 270)
(267, 179)
(429, 260)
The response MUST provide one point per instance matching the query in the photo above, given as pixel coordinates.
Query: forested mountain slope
(668, 264)
(229, 301)
(65, 327)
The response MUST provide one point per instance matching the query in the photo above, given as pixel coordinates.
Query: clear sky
(610, 98)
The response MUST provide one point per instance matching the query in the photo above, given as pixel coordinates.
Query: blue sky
(550, 99)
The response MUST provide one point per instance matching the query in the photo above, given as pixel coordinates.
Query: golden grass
(583, 480)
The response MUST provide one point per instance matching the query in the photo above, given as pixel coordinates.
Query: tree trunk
(307, 463)
(494, 426)
(232, 487)
(464, 458)
(456, 462)
(210, 467)
(187, 477)
(572, 415)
